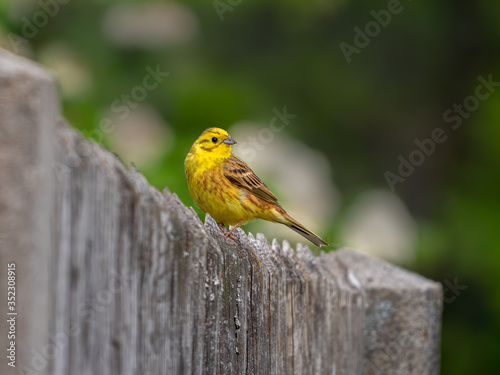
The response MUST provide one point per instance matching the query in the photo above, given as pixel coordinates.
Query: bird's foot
(229, 232)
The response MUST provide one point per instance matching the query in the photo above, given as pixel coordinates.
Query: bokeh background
(328, 101)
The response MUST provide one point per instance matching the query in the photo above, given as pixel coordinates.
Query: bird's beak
(229, 141)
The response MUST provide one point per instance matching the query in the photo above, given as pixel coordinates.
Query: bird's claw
(227, 232)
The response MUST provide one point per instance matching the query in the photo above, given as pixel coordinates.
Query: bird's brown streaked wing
(240, 174)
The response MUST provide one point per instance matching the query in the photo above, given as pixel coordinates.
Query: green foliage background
(362, 115)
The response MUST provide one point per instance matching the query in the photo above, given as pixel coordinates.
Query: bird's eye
(214, 140)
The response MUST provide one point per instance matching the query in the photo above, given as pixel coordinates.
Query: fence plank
(133, 283)
(28, 110)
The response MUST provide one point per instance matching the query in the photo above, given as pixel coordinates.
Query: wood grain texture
(137, 284)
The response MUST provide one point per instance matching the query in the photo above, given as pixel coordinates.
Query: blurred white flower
(379, 224)
(142, 137)
(73, 74)
(149, 25)
(299, 176)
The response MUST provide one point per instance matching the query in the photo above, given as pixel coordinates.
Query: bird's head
(214, 143)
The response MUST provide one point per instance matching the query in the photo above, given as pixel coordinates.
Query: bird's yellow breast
(215, 194)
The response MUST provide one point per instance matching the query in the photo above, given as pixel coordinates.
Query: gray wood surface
(116, 277)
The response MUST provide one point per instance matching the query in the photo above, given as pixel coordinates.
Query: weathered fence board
(118, 278)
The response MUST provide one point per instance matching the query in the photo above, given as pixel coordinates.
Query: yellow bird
(224, 186)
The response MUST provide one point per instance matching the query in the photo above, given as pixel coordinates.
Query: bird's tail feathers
(303, 231)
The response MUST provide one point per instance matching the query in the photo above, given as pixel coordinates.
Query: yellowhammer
(224, 186)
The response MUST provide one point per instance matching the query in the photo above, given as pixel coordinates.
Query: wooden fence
(114, 277)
